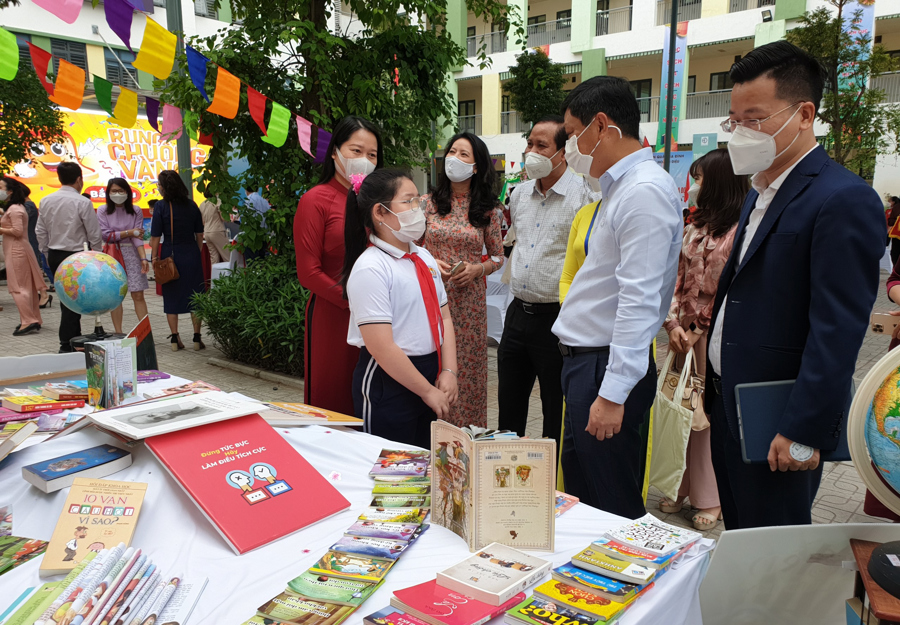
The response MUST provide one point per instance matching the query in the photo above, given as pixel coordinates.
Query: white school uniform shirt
(384, 288)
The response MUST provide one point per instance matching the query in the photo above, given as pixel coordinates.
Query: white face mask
(581, 163)
(3, 195)
(753, 151)
(693, 192)
(118, 198)
(412, 224)
(356, 165)
(458, 171)
(538, 166)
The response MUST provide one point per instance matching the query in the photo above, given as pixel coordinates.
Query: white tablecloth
(176, 535)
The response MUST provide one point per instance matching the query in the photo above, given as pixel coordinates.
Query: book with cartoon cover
(653, 536)
(595, 583)
(538, 611)
(380, 529)
(401, 501)
(374, 547)
(401, 488)
(352, 566)
(585, 602)
(392, 616)
(591, 559)
(394, 515)
(401, 462)
(494, 574)
(636, 556)
(288, 608)
(15, 551)
(339, 590)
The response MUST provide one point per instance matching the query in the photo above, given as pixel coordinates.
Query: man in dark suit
(795, 295)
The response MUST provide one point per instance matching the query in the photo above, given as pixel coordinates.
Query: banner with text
(858, 21)
(675, 108)
(679, 169)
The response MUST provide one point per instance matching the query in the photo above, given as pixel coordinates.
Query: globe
(874, 430)
(90, 283)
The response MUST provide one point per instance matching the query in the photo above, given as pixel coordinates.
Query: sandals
(670, 507)
(176, 342)
(711, 520)
(198, 342)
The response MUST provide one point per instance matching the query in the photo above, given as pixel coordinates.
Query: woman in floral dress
(463, 220)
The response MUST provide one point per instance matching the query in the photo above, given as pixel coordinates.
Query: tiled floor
(839, 499)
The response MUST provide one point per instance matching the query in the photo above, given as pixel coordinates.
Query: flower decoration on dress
(356, 181)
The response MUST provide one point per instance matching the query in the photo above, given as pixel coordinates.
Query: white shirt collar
(559, 188)
(622, 167)
(396, 252)
(776, 184)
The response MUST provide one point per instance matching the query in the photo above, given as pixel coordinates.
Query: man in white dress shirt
(542, 211)
(618, 299)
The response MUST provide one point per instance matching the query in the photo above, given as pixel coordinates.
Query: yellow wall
(713, 7)
(490, 104)
(96, 62)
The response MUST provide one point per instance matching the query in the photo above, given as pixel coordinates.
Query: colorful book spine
(90, 585)
(102, 604)
(128, 584)
(88, 601)
(149, 602)
(141, 597)
(92, 563)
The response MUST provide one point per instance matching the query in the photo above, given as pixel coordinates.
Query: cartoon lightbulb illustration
(264, 472)
(241, 480)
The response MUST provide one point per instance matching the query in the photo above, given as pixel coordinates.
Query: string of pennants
(156, 56)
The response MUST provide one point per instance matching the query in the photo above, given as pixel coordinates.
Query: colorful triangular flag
(152, 107)
(172, 125)
(276, 133)
(227, 96)
(119, 14)
(197, 68)
(103, 91)
(40, 59)
(9, 55)
(256, 102)
(304, 134)
(322, 143)
(66, 10)
(68, 90)
(125, 113)
(156, 55)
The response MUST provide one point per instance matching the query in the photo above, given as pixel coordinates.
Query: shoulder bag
(164, 269)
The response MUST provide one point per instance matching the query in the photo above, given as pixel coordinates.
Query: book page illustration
(451, 479)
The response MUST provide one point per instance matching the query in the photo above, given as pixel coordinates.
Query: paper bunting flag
(68, 91)
(125, 113)
(227, 96)
(157, 53)
(9, 55)
(190, 123)
(103, 89)
(172, 124)
(278, 125)
(66, 10)
(203, 139)
(256, 102)
(197, 68)
(40, 59)
(322, 145)
(304, 134)
(152, 107)
(119, 15)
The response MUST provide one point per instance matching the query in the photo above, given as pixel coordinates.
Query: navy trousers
(389, 409)
(604, 474)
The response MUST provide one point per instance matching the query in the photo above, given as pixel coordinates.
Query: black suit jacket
(799, 303)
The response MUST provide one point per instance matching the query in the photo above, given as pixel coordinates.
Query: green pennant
(190, 123)
(277, 131)
(103, 89)
(9, 55)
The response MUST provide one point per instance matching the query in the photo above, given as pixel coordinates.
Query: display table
(176, 535)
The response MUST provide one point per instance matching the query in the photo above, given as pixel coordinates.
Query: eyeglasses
(729, 125)
(414, 203)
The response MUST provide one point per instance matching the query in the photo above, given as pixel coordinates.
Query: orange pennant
(69, 88)
(228, 95)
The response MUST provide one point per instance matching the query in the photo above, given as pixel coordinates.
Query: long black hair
(15, 190)
(721, 194)
(379, 187)
(129, 203)
(172, 188)
(342, 132)
(482, 200)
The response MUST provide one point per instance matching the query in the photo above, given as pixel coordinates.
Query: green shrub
(256, 315)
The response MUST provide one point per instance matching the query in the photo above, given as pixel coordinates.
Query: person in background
(542, 211)
(618, 299)
(893, 215)
(796, 293)
(355, 148)
(584, 226)
(122, 225)
(177, 218)
(214, 228)
(399, 317)
(66, 221)
(718, 195)
(463, 217)
(258, 204)
(32, 210)
(23, 276)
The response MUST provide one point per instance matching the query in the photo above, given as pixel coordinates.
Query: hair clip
(356, 181)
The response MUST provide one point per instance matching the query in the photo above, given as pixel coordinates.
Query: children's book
(381, 529)
(38, 403)
(594, 583)
(401, 501)
(287, 608)
(402, 479)
(373, 547)
(247, 480)
(564, 502)
(651, 535)
(351, 592)
(437, 605)
(6, 516)
(61, 391)
(494, 574)
(15, 551)
(394, 515)
(60, 472)
(16, 438)
(97, 515)
(392, 616)
(538, 611)
(352, 566)
(401, 488)
(491, 490)
(401, 462)
(585, 602)
(636, 556)
(592, 560)
(151, 375)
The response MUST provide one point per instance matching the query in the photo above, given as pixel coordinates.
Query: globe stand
(99, 334)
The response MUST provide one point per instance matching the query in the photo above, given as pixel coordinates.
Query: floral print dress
(451, 238)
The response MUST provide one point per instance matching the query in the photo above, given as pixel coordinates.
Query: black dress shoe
(29, 329)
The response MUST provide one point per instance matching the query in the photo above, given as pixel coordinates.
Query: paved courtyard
(840, 497)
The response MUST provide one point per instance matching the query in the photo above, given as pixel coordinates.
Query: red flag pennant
(256, 102)
(40, 59)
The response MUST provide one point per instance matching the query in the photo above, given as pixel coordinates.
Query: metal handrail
(614, 21)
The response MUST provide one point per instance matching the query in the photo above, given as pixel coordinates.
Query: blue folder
(760, 407)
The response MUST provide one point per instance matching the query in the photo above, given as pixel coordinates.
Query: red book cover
(248, 481)
(433, 603)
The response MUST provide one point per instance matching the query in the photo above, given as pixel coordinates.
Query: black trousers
(69, 321)
(895, 251)
(604, 474)
(752, 495)
(529, 350)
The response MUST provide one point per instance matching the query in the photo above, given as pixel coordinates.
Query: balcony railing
(890, 84)
(685, 12)
(614, 21)
(546, 33)
(511, 121)
(494, 42)
(649, 109)
(707, 104)
(743, 5)
(469, 123)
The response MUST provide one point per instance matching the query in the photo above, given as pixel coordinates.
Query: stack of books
(605, 579)
(402, 479)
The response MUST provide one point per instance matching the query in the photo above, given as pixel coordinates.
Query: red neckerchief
(429, 295)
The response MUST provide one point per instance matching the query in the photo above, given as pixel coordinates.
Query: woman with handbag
(177, 263)
(122, 227)
(708, 238)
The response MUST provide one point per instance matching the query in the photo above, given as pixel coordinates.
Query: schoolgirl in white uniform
(399, 317)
